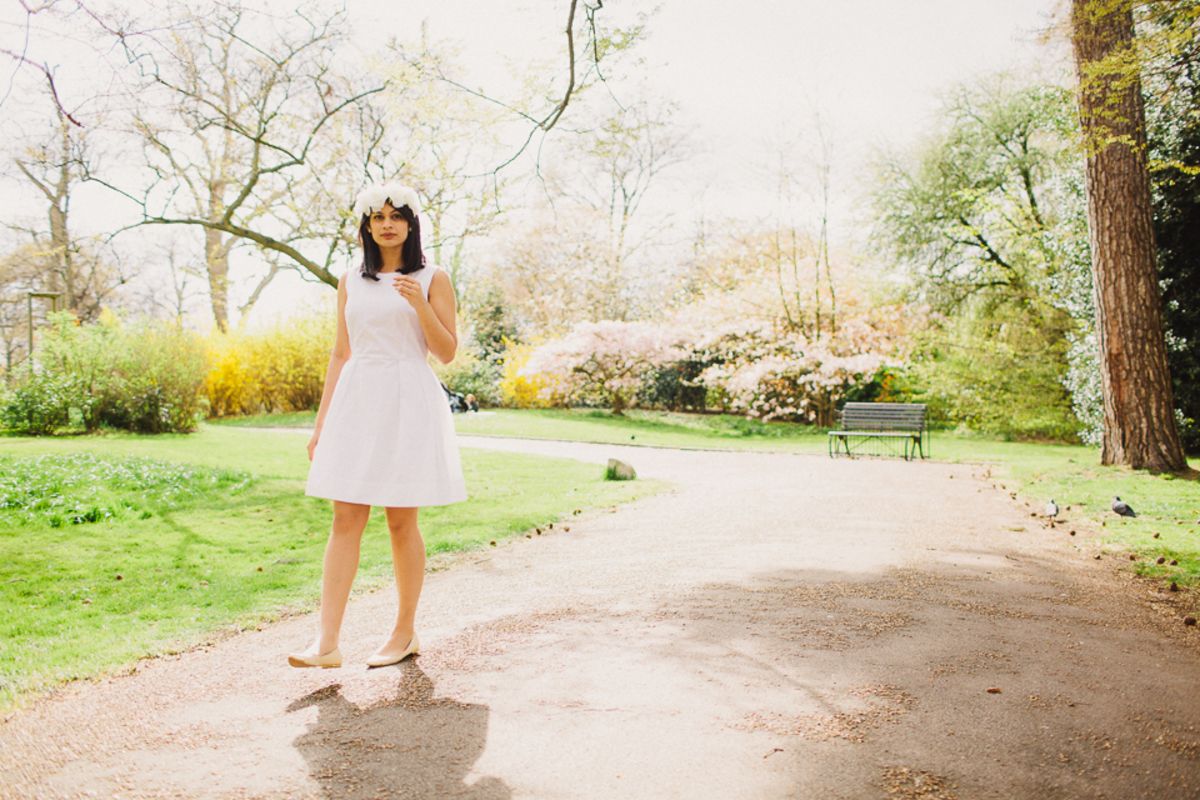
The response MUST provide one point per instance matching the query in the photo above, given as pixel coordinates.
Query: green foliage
(468, 373)
(143, 378)
(675, 387)
(156, 380)
(491, 323)
(1172, 87)
(979, 209)
(40, 403)
(990, 221)
(997, 372)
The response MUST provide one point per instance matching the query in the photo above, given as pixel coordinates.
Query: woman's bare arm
(436, 313)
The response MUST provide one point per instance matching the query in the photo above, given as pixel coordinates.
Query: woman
(384, 435)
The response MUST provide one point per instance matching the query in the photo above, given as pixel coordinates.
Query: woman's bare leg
(341, 563)
(408, 562)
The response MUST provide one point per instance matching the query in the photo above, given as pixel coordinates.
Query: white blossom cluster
(753, 368)
(373, 197)
(610, 357)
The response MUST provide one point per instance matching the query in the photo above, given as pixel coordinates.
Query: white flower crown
(372, 198)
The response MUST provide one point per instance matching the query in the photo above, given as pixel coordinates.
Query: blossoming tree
(604, 360)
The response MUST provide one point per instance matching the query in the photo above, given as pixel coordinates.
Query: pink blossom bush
(605, 361)
(761, 368)
(804, 382)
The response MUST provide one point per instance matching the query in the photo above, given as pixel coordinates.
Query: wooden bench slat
(882, 421)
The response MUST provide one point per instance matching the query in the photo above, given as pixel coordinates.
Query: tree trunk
(216, 259)
(216, 248)
(1139, 417)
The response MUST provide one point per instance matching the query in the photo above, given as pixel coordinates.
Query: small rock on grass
(618, 470)
(1189, 620)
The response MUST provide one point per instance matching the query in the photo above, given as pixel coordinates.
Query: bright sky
(745, 76)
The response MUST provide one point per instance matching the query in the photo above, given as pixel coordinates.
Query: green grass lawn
(118, 546)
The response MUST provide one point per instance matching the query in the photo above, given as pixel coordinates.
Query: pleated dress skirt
(388, 436)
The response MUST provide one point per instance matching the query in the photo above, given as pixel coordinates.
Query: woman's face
(388, 227)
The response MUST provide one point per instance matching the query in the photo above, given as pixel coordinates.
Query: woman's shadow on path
(410, 745)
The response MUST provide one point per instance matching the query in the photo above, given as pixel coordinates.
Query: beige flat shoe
(327, 660)
(386, 659)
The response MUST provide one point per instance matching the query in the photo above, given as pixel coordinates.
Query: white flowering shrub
(792, 379)
(604, 361)
(1083, 381)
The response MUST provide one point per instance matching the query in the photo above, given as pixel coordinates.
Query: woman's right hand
(312, 444)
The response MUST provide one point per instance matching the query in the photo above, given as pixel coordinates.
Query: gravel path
(774, 626)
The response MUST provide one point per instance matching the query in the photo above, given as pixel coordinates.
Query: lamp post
(53, 296)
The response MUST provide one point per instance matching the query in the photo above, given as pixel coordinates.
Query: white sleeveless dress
(388, 437)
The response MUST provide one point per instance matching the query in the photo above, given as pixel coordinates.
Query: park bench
(882, 424)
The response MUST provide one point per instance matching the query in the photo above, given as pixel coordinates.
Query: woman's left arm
(436, 313)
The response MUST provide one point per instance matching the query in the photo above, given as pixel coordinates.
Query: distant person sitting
(472, 403)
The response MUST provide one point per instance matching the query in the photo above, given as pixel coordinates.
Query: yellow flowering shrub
(280, 369)
(228, 383)
(289, 362)
(523, 391)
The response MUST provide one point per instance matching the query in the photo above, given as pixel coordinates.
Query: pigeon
(1122, 508)
(1052, 509)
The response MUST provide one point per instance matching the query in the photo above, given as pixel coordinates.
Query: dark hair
(412, 257)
